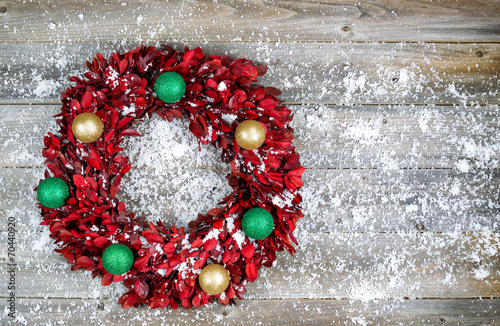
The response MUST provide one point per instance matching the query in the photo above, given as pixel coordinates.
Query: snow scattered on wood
(414, 168)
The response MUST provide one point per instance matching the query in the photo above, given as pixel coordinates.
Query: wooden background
(397, 122)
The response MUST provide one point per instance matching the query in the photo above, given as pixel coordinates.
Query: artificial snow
(396, 199)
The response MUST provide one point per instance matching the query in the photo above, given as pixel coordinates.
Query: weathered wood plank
(305, 72)
(334, 200)
(262, 312)
(385, 137)
(355, 266)
(200, 21)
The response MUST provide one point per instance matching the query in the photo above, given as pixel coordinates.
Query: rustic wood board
(356, 266)
(283, 312)
(230, 21)
(334, 200)
(305, 72)
(396, 119)
(386, 137)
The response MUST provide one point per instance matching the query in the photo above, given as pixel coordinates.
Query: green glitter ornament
(117, 259)
(257, 223)
(52, 192)
(170, 87)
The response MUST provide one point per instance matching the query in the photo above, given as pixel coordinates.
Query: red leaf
(169, 247)
(262, 69)
(107, 279)
(249, 71)
(152, 238)
(126, 169)
(210, 244)
(273, 91)
(141, 289)
(230, 291)
(248, 251)
(141, 263)
(55, 169)
(131, 300)
(114, 117)
(140, 101)
(79, 181)
(297, 181)
(85, 262)
(123, 122)
(70, 257)
(86, 100)
(93, 77)
(92, 183)
(72, 217)
(188, 56)
(297, 172)
(115, 187)
(218, 224)
(75, 106)
(121, 207)
(196, 301)
(94, 163)
(267, 104)
(123, 65)
(251, 271)
(196, 243)
(101, 241)
(295, 177)
(212, 83)
(129, 132)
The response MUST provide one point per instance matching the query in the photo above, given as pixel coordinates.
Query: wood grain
(396, 119)
(385, 137)
(355, 266)
(227, 21)
(265, 312)
(306, 72)
(334, 200)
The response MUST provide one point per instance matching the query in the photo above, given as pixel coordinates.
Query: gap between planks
(274, 312)
(293, 104)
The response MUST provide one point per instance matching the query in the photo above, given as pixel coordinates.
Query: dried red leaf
(86, 100)
(101, 241)
(141, 289)
(251, 271)
(129, 132)
(219, 95)
(248, 250)
(210, 244)
(79, 181)
(85, 262)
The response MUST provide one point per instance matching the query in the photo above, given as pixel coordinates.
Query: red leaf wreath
(168, 260)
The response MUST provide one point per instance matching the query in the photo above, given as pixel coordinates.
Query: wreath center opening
(172, 178)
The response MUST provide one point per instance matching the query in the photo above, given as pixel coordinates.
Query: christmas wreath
(220, 251)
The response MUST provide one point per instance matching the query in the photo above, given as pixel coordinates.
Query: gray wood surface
(336, 200)
(283, 312)
(229, 21)
(332, 73)
(397, 120)
(354, 136)
(361, 267)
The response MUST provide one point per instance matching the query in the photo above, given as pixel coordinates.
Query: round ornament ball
(214, 279)
(117, 259)
(170, 87)
(257, 223)
(250, 134)
(87, 127)
(52, 192)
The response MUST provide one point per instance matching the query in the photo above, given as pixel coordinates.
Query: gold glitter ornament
(214, 279)
(250, 134)
(87, 127)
